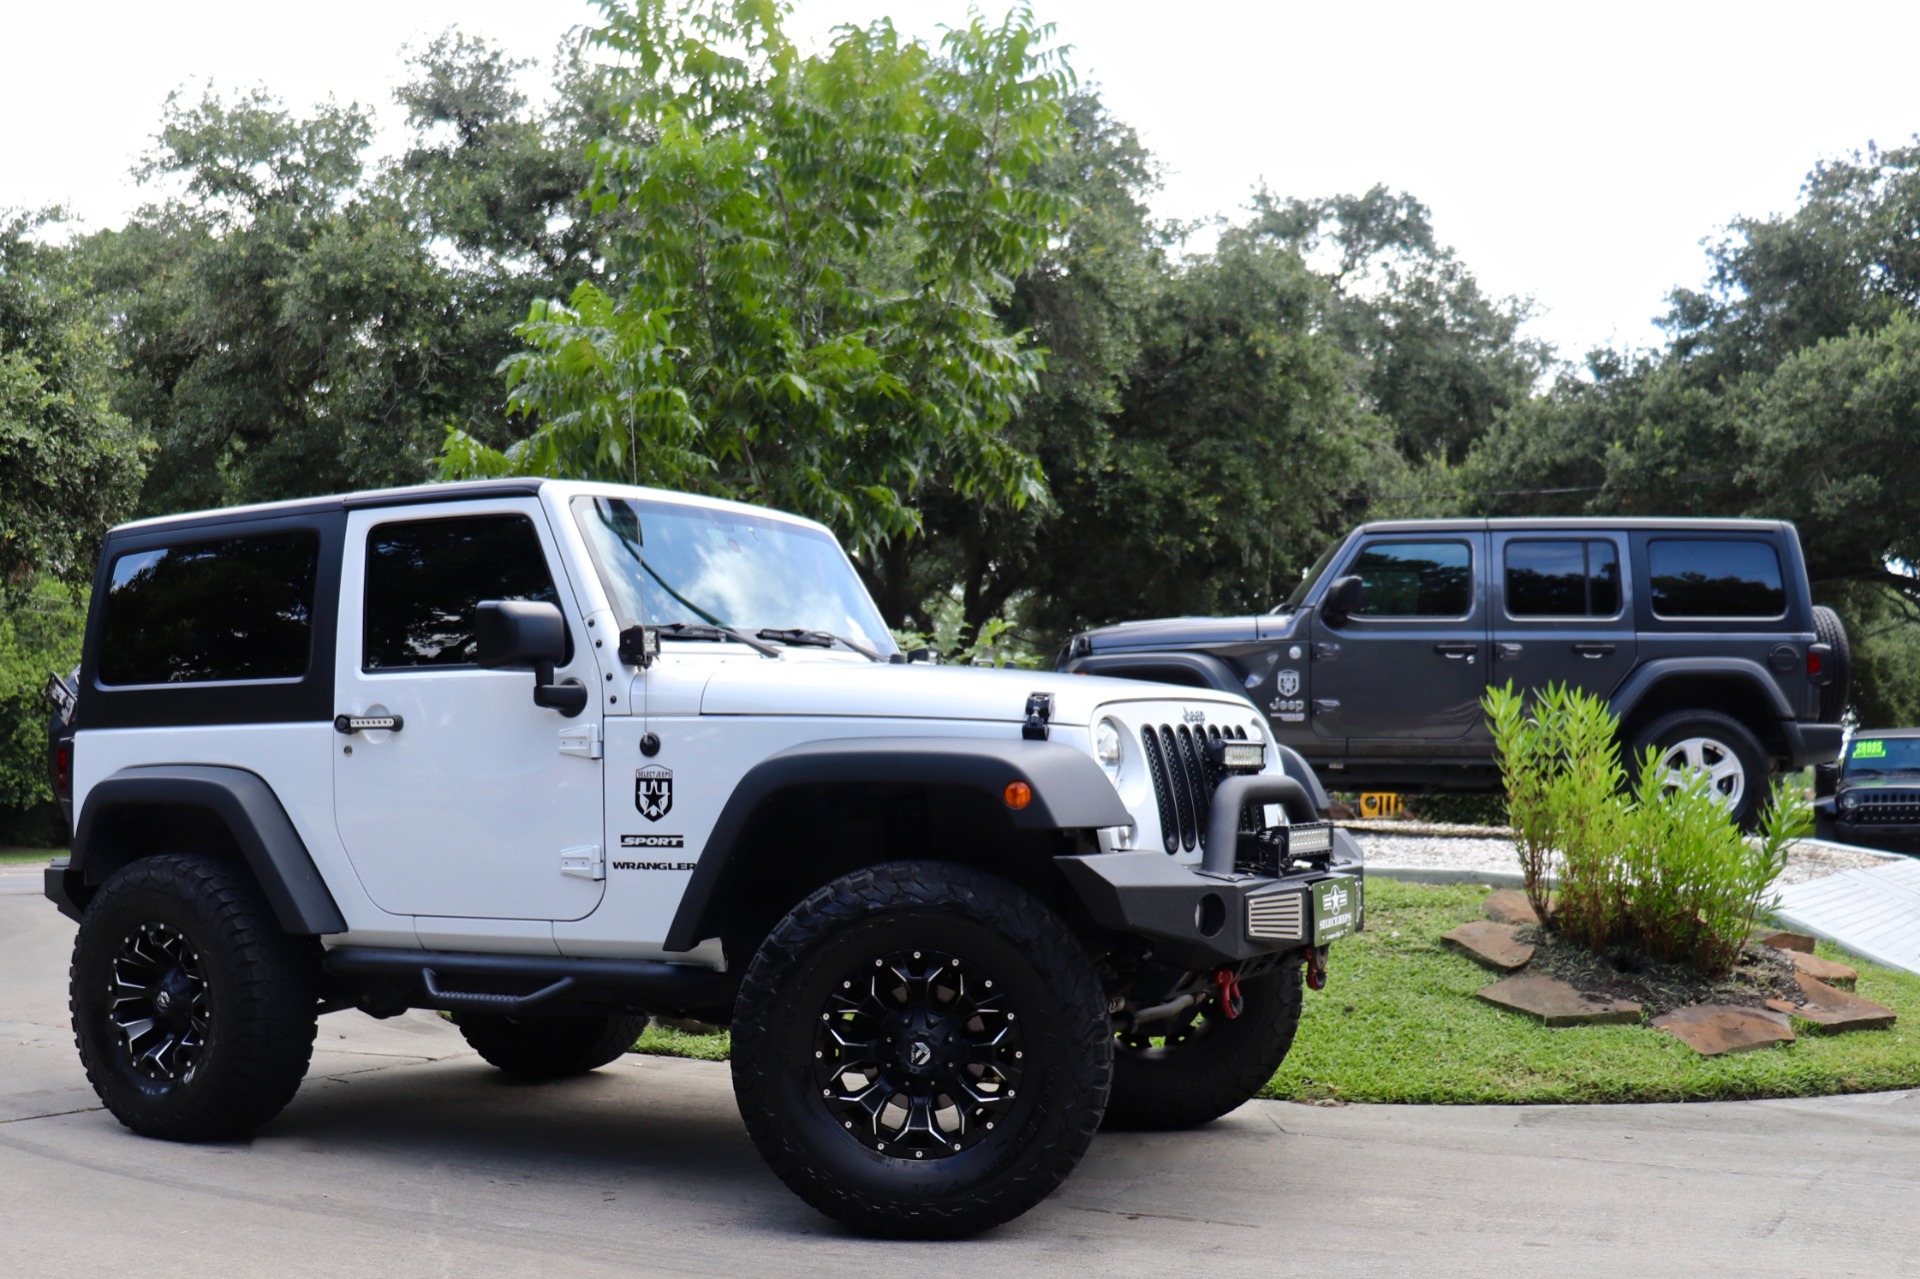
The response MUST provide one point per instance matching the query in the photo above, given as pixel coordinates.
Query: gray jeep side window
(1562, 579)
(1699, 577)
(234, 608)
(424, 578)
(1415, 579)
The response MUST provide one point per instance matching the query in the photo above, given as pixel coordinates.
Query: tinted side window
(424, 578)
(1700, 578)
(1562, 579)
(238, 608)
(1416, 579)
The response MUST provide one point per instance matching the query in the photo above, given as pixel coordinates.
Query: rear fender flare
(241, 801)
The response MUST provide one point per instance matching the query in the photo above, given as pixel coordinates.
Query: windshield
(1305, 588)
(663, 562)
(1868, 756)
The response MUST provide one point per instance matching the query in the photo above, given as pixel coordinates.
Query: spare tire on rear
(1833, 696)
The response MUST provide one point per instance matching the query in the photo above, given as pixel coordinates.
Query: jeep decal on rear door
(653, 792)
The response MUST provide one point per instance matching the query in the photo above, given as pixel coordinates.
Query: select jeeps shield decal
(1287, 683)
(653, 792)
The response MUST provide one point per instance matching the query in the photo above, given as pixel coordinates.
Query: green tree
(1439, 359)
(69, 464)
(806, 259)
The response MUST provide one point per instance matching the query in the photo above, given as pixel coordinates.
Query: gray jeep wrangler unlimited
(555, 756)
(1702, 635)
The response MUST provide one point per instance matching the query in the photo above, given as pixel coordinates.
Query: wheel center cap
(918, 1054)
(163, 1002)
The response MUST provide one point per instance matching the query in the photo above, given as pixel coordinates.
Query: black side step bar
(426, 975)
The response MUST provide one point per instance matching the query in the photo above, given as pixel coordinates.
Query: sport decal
(653, 792)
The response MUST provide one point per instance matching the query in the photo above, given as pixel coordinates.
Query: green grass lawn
(28, 856)
(1398, 1023)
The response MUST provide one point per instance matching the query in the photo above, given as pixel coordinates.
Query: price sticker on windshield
(1872, 749)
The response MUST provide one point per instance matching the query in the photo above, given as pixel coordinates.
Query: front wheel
(921, 1050)
(194, 1014)
(1205, 1063)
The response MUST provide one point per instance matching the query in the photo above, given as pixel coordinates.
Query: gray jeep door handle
(1456, 650)
(1593, 651)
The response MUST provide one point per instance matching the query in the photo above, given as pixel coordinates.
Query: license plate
(1336, 909)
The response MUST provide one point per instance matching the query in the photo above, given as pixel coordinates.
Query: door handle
(351, 724)
(1325, 652)
(1592, 651)
(1453, 651)
(1509, 652)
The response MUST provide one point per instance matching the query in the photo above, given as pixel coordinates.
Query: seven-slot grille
(1183, 782)
(1891, 807)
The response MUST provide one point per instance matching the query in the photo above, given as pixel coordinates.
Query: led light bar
(1238, 756)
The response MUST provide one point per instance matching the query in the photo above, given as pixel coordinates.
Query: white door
(481, 804)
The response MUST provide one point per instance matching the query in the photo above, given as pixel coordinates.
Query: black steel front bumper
(1194, 919)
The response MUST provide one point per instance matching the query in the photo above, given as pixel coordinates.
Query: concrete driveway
(404, 1155)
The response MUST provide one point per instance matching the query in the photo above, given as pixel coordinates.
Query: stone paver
(1834, 1010)
(1838, 976)
(1713, 1029)
(1558, 1004)
(1782, 939)
(1510, 906)
(1494, 945)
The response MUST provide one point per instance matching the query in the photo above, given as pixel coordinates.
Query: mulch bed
(1763, 973)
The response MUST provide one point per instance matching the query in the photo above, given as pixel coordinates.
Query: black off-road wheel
(1204, 1063)
(1719, 745)
(194, 1014)
(548, 1047)
(921, 1050)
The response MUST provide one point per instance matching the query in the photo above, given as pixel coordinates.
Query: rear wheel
(194, 1014)
(921, 1050)
(1718, 745)
(1205, 1063)
(548, 1047)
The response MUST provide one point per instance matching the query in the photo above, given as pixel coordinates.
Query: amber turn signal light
(1019, 794)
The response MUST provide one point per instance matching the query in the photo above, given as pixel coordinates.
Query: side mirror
(520, 633)
(1342, 600)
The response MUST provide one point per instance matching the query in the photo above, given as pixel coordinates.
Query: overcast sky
(1576, 153)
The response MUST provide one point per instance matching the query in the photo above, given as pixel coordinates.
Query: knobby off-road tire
(1827, 628)
(548, 1047)
(1726, 748)
(1208, 1065)
(891, 989)
(194, 1014)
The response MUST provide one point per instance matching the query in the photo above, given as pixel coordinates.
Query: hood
(1881, 781)
(1164, 632)
(869, 690)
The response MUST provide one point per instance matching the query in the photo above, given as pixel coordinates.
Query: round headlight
(1106, 745)
(1849, 801)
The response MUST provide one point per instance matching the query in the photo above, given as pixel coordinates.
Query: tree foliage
(806, 261)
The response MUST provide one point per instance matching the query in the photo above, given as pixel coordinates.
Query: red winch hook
(1317, 968)
(1231, 1000)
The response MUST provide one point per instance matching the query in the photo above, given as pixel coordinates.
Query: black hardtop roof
(411, 495)
(1575, 523)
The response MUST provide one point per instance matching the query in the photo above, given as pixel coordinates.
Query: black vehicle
(1702, 634)
(1876, 792)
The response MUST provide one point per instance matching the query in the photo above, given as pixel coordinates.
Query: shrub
(1658, 866)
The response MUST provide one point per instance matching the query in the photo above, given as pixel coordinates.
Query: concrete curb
(1451, 875)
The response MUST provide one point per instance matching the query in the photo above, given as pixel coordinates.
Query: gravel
(1481, 848)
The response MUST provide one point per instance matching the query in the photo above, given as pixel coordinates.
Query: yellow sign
(1383, 803)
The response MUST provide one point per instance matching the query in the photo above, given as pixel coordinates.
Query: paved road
(403, 1155)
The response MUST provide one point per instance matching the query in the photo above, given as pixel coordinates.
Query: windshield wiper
(804, 638)
(701, 631)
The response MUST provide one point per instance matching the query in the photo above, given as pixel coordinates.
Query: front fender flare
(1070, 792)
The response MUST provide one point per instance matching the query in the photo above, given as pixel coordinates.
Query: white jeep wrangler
(554, 756)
